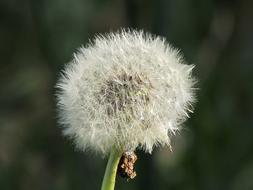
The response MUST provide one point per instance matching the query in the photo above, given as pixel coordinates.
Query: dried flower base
(126, 165)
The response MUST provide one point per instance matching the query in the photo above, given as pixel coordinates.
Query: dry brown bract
(126, 165)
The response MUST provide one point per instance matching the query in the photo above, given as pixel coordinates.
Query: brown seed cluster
(124, 90)
(126, 165)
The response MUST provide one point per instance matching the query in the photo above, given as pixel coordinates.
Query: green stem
(111, 170)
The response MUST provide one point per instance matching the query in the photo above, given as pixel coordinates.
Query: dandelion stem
(111, 170)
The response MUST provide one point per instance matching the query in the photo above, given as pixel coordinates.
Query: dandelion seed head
(126, 90)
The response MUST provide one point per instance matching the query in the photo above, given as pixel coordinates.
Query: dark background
(213, 152)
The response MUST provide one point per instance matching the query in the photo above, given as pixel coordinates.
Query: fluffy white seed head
(124, 90)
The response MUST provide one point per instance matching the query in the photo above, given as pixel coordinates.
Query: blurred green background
(214, 151)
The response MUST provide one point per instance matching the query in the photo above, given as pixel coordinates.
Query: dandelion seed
(125, 90)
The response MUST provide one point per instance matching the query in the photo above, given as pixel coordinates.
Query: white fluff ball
(125, 90)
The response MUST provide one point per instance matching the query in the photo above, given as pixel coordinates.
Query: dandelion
(123, 91)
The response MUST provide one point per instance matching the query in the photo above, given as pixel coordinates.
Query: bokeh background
(214, 151)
